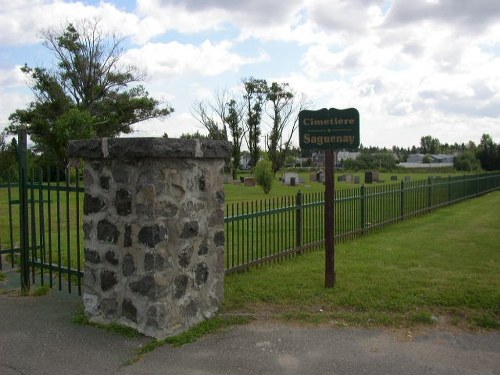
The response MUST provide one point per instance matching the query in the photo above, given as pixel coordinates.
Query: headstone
(287, 178)
(250, 182)
(371, 176)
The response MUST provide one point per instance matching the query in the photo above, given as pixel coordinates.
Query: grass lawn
(441, 267)
(239, 193)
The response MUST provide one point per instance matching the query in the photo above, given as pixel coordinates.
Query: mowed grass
(237, 192)
(443, 267)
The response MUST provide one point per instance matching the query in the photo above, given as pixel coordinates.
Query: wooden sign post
(329, 218)
(329, 130)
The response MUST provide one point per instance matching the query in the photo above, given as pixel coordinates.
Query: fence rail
(264, 231)
(41, 227)
(255, 232)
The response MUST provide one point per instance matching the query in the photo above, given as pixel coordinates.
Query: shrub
(264, 174)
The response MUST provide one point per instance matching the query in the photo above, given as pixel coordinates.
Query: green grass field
(239, 193)
(441, 267)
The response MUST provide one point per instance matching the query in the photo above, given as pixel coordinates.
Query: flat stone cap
(123, 148)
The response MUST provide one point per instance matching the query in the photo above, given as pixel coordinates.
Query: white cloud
(411, 67)
(22, 20)
(164, 60)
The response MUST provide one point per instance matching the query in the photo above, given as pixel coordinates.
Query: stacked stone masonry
(154, 231)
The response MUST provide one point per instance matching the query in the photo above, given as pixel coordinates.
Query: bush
(264, 174)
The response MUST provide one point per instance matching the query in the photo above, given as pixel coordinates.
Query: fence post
(298, 220)
(449, 189)
(402, 208)
(363, 207)
(429, 198)
(23, 209)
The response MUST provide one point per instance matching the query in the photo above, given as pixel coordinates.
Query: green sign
(329, 129)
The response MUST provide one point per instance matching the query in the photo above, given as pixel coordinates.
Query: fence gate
(40, 230)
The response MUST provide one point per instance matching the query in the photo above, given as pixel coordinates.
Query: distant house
(438, 160)
(245, 162)
(415, 158)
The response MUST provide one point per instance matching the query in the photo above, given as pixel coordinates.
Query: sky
(412, 68)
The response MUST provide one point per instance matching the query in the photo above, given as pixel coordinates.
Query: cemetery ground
(441, 269)
(236, 192)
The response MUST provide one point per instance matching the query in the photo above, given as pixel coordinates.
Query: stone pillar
(154, 231)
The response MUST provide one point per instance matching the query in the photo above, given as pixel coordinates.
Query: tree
(86, 95)
(283, 111)
(379, 160)
(213, 116)
(487, 153)
(224, 112)
(467, 162)
(8, 158)
(264, 174)
(255, 91)
(430, 145)
(234, 122)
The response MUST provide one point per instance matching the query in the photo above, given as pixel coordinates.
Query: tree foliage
(488, 153)
(86, 95)
(264, 174)
(8, 158)
(430, 145)
(255, 96)
(239, 116)
(467, 162)
(367, 160)
(283, 112)
(224, 112)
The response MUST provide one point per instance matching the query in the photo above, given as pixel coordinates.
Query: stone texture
(92, 256)
(129, 311)
(127, 148)
(152, 235)
(219, 239)
(108, 280)
(154, 231)
(110, 256)
(107, 232)
(181, 283)
(92, 204)
(104, 182)
(127, 237)
(128, 266)
(189, 230)
(123, 202)
(201, 273)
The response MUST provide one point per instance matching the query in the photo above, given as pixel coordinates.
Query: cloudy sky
(411, 67)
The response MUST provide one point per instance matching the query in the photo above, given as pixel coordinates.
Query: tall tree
(255, 96)
(87, 94)
(283, 109)
(430, 145)
(487, 152)
(220, 116)
(234, 121)
(212, 115)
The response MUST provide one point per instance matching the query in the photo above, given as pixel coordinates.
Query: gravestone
(371, 176)
(250, 182)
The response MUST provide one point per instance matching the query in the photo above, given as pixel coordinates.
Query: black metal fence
(41, 221)
(41, 224)
(264, 231)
